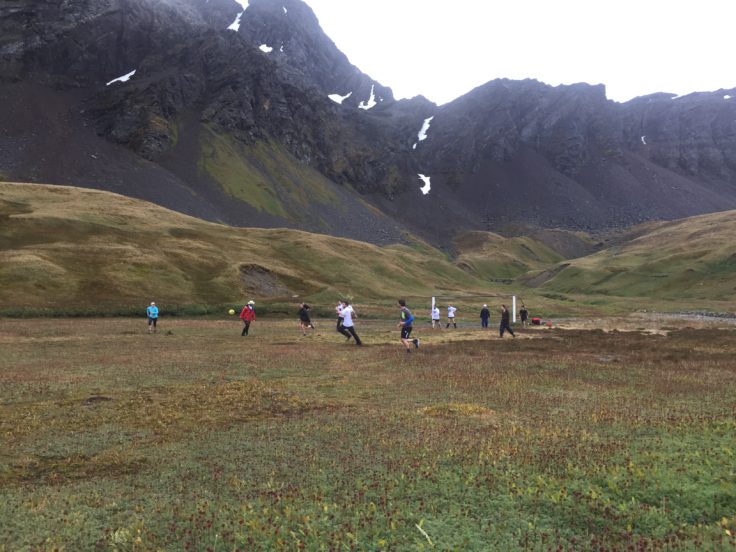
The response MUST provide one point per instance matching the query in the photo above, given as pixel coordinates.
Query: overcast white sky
(443, 49)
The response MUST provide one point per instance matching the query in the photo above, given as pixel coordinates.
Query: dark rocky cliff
(205, 122)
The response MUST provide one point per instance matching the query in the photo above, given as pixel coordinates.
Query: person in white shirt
(340, 328)
(436, 318)
(347, 321)
(451, 316)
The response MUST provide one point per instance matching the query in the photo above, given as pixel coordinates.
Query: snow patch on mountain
(422, 134)
(337, 98)
(124, 78)
(235, 25)
(371, 101)
(427, 186)
(265, 48)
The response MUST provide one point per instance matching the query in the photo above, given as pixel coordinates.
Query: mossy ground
(198, 439)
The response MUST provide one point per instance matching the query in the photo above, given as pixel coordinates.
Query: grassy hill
(687, 259)
(496, 257)
(76, 250)
(67, 250)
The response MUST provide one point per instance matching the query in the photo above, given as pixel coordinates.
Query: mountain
(238, 126)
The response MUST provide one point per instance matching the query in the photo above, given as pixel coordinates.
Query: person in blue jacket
(152, 312)
(485, 314)
(405, 325)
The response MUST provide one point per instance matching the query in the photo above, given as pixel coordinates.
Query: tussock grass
(196, 438)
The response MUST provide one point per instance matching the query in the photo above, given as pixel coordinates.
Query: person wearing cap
(152, 313)
(485, 314)
(247, 315)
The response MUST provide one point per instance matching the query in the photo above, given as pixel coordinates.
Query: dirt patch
(544, 276)
(458, 410)
(263, 282)
(59, 469)
(89, 401)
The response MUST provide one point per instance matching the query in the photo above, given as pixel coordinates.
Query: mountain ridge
(506, 152)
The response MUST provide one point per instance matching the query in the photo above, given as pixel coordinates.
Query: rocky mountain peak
(290, 32)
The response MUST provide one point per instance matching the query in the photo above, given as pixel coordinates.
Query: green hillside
(688, 259)
(493, 256)
(264, 175)
(70, 249)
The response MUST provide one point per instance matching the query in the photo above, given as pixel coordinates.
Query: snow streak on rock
(285, 10)
(422, 134)
(337, 98)
(124, 78)
(371, 101)
(643, 141)
(427, 186)
(235, 25)
(265, 48)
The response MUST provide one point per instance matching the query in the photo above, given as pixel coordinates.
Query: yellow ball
(231, 311)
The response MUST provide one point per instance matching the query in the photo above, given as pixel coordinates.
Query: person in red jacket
(247, 315)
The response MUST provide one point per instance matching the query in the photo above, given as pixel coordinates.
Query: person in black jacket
(505, 325)
(524, 315)
(485, 314)
(304, 321)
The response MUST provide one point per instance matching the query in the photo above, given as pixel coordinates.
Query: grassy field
(198, 439)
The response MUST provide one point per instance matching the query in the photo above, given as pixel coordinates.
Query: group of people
(450, 317)
(505, 325)
(346, 317)
(485, 316)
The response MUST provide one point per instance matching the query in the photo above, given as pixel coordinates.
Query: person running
(247, 315)
(524, 315)
(505, 325)
(347, 322)
(340, 328)
(152, 313)
(304, 321)
(451, 316)
(405, 325)
(485, 314)
(436, 318)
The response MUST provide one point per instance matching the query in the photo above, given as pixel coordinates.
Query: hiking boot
(416, 343)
